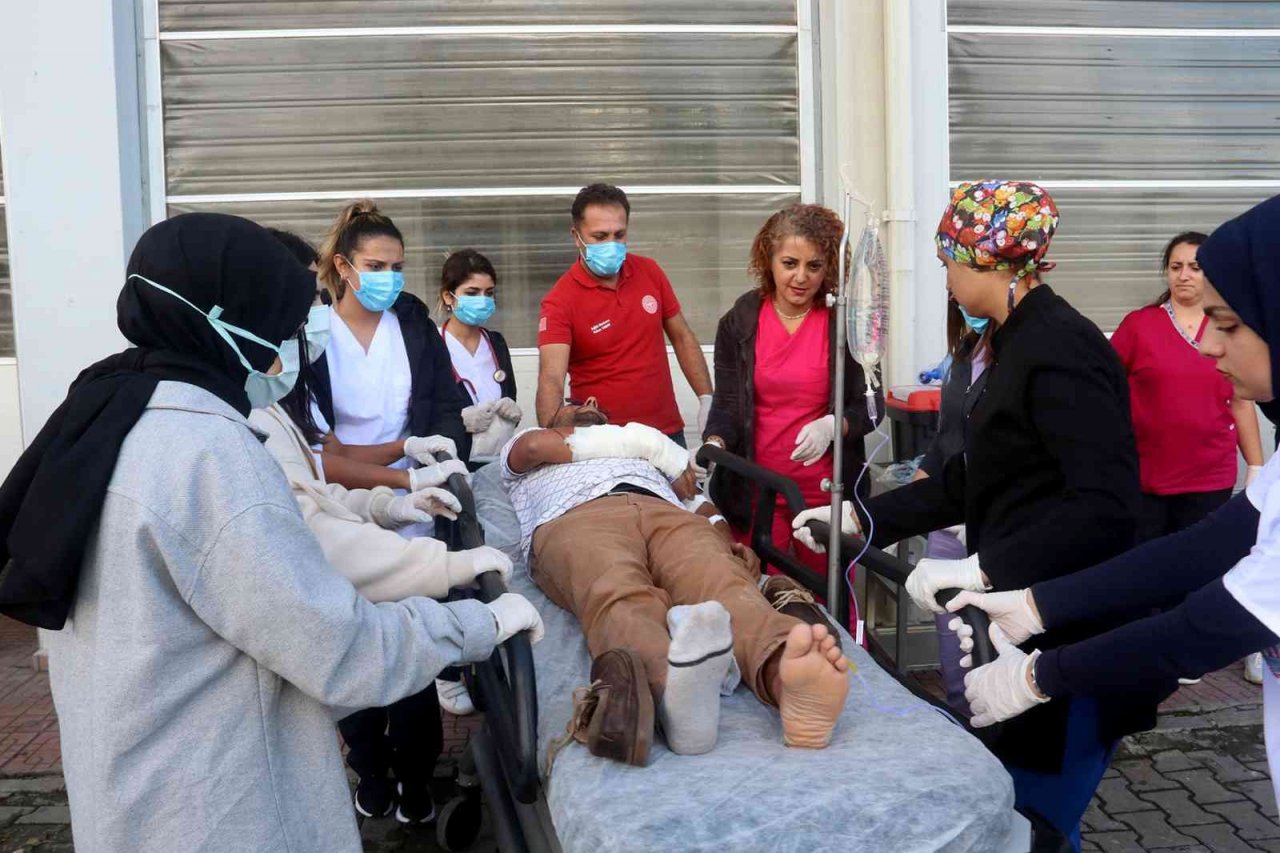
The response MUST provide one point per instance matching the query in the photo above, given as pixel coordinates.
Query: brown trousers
(620, 562)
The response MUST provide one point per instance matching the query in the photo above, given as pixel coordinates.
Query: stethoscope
(499, 375)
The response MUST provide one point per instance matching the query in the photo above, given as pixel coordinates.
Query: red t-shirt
(1181, 407)
(617, 345)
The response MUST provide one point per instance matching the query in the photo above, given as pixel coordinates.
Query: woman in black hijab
(203, 638)
(1219, 579)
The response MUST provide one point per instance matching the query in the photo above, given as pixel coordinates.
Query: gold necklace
(800, 316)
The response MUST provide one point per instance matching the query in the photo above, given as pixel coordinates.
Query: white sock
(698, 664)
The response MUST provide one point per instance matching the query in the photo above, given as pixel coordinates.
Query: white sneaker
(1188, 681)
(1253, 668)
(454, 698)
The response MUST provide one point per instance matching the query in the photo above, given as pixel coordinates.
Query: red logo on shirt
(542, 324)
(649, 304)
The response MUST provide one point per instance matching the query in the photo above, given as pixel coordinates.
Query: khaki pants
(620, 562)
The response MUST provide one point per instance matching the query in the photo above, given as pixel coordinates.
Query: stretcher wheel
(459, 824)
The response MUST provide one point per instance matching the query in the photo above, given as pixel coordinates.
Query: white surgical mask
(317, 332)
(263, 389)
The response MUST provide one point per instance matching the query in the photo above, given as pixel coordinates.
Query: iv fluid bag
(868, 317)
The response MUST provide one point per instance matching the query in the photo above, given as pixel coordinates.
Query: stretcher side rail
(769, 485)
(505, 685)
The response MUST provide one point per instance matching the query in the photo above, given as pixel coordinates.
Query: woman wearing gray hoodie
(202, 645)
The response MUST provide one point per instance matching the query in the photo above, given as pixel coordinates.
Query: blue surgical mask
(474, 310)
(262, 389)
(379, 290)
(977, 324)
(317, 332)
(604, 259)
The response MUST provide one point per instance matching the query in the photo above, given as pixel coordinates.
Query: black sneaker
(416, 805)
(374, 798)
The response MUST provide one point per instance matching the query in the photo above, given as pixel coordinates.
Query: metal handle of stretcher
(507, 687)
(769, 486)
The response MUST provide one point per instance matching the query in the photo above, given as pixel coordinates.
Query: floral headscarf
(999, 225)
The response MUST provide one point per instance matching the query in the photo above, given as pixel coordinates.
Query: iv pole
(835, 570)
(840, 301)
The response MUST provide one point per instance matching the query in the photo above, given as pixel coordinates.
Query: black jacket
(1203, 627)
(1047, 485)
(436, 401)
(502, 354)
(733, 410)
(949, 439)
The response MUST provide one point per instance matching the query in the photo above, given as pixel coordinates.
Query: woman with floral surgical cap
(1047, 483)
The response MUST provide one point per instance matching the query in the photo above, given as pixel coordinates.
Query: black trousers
(405, 738)
(1165, 514)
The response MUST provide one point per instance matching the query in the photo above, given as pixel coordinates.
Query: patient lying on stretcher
(673, 610)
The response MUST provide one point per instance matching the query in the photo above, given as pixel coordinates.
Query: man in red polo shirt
(603, 325)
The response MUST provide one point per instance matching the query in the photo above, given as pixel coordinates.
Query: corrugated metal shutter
(1114, 13)
(1138, 134)
(481, 136)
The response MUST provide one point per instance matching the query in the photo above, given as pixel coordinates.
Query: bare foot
(814, 681)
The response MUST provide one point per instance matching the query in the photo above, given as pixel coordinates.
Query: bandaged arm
(606, 441)
(633, 441)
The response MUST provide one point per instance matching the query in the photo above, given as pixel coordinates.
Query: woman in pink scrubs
(774, 359)
(1187, 421)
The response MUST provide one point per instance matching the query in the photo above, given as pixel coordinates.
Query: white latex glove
(415, 507)
(703, 474)
(849, 525)
(813, 440)
(478, 417)
(514, 614)
(1002, 688)
(436, 474)
(508, 410)
(633, 441)
(704, 412)
(931, 575)
(1012, 611)
(490, 442)
(477, 561)
(1252, 473)
(422, 449)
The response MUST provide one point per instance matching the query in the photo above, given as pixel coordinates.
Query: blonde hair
(359, 220)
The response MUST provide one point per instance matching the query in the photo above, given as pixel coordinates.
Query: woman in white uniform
(356, 527)
(481, 359)
(385, 376)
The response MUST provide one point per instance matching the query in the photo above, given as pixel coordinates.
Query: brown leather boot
(787, 596)
(613, 716)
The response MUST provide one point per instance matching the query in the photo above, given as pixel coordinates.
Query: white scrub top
(371, 390)
(1255, 580)
(1255, 583)
(476, 370)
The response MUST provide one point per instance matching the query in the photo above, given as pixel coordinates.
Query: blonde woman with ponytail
(385, 379)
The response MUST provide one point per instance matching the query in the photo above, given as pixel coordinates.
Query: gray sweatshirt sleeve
(265, 587)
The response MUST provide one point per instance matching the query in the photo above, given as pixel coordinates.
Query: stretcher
(900, 775)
